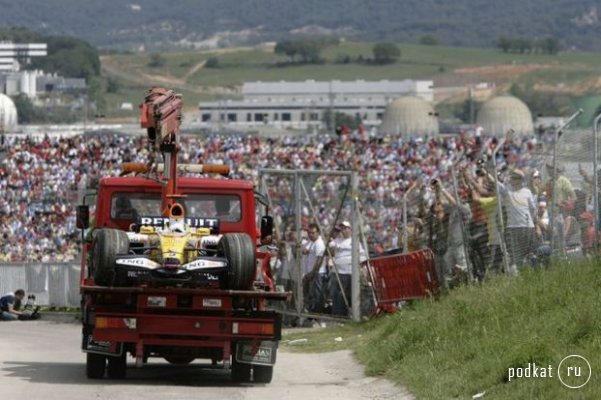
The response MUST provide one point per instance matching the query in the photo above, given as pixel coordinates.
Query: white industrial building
(12, 55)
(14, 80)
(303, 105)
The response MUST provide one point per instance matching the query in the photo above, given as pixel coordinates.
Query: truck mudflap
(108, 348)
(261, 352)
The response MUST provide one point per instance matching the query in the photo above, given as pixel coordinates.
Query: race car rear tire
(239, 250)
(107, 244)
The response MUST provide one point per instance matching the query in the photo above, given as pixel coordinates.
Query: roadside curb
(60, 317)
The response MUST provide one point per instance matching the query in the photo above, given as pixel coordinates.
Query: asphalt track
(42, 360)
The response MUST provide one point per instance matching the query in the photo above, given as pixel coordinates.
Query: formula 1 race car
(166, 251)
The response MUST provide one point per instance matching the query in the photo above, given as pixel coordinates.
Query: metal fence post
(297, 245)
(356, 277)
(500, 222)
(558, 133)
(596, 177)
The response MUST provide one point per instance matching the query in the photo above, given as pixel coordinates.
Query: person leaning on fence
(315, 272)
(9, 307)
(564, 190)
(455, 258)
(438, 224)
(521, 211)
(589, 233)
(342, 248)
(572, 236)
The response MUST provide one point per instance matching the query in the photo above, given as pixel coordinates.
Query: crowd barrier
(400, 277)
(53, 284)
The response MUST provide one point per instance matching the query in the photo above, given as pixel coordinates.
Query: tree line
(308, 51)
(523, 45)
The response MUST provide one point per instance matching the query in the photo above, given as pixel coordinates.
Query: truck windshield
(130, 205)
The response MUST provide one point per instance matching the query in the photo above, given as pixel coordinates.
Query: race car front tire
(107, 244)
(239, 250)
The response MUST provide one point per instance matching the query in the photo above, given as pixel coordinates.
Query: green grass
(465, 343)
(252, 64)
(416, 62)
(134, 93)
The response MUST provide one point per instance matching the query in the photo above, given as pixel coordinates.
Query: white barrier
(53, 284)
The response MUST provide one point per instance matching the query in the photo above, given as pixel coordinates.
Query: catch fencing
(53, 284)
(506, 204)
(297, 199)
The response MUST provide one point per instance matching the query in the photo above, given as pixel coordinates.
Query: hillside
(468, 342)
(567, 74)
(186, 23)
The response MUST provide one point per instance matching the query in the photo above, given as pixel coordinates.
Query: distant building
(35, 83)
(14, 80)
(302, 105)
(48, 83)
(8, 114)
(12, 55)
(503, 113)
(409, 115)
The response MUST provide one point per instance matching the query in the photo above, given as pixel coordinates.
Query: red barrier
(401, 277)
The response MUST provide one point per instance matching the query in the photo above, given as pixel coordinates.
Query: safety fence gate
(298, 200)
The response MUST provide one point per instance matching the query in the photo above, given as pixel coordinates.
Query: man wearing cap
(521, 211)
(342, 248)
(537, 185)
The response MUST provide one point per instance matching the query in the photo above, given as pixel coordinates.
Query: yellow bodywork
(173, 246)
(182, 246)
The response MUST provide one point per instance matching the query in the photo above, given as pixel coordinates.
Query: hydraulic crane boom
(162, 116)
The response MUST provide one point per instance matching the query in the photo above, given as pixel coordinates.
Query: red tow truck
(177, 267)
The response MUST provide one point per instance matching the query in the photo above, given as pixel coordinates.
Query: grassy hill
(160, 24)
(466, 342)
(575, 73)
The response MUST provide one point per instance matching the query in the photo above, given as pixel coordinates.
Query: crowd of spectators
(42, 178)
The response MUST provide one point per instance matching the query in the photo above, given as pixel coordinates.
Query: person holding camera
(10, 304)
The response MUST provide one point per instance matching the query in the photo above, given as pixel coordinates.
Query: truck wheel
(262, 373)
(95, 365)
(117, 366)
(107, 244)
(240, 371)
(239, 250)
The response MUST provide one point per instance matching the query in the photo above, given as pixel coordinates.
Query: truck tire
(95, 365)
(239, 250)
(117, 366)
(107, 244)
(262, 373)
(240, 371)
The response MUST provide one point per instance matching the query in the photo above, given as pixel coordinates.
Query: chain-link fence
(320, 242)
(501, 205)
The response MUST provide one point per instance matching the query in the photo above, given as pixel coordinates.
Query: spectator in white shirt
(342, 248)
